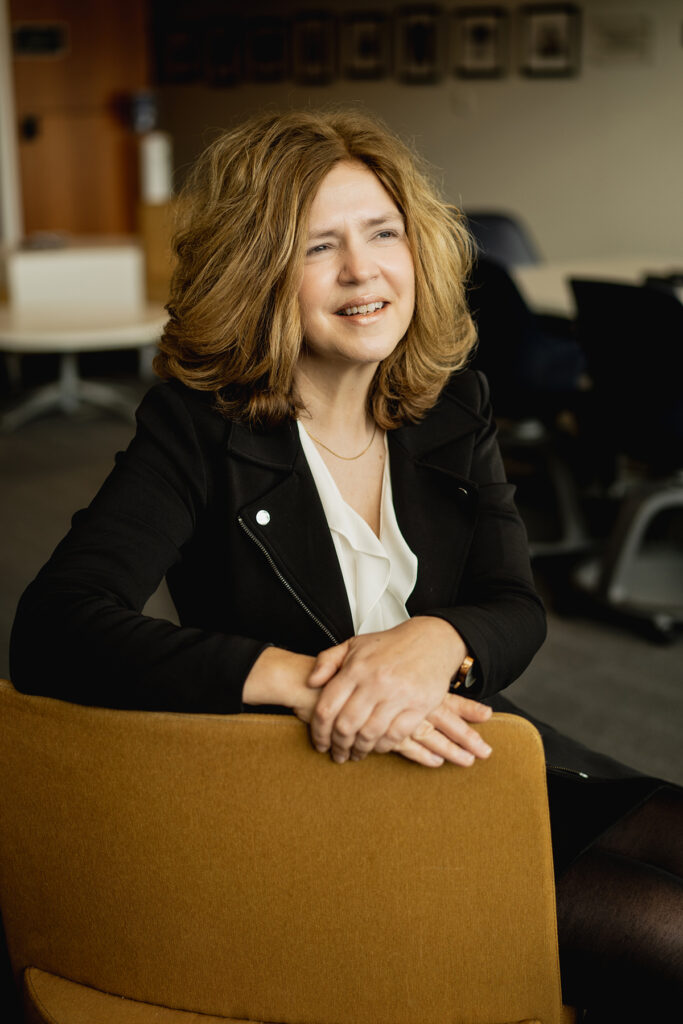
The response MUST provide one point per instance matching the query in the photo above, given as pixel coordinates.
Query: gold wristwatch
(465, 676)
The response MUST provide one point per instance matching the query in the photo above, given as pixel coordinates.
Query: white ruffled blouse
(379, 572)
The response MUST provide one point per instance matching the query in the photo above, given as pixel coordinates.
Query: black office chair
(533, 375)
(502, 237)
(535, 369)
(633, 427)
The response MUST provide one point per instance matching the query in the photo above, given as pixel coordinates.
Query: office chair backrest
(633, 340)
(502, 237)
(501, 315)
(220, 865)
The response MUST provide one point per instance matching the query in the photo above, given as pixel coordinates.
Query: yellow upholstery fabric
(218, 865)
(54, 1000)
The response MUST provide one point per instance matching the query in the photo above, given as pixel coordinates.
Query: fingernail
(436, 760)
(320, 748)
(485, 749)
(469, 758)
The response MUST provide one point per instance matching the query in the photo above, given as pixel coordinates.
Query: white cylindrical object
(156, 172)
(11, 217)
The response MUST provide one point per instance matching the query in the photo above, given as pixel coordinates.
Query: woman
(319, 481)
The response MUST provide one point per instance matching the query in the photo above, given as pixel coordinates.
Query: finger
(327, 664)
(455, 729)
(416, 752)
(470, 710)
(356, 719)
(402, 726)
(433, 740)
(331, 701)
(372, 732)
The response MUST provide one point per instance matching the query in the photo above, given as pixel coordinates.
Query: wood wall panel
(79, 173)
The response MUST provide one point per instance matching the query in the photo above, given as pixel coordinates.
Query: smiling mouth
(363, 310)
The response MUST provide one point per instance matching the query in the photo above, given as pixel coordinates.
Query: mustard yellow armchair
(175, 868)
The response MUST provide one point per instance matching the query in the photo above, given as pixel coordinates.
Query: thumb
(327, 664)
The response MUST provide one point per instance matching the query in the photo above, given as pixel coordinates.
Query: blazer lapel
(284, 516)
(435, 502)
(435, 505)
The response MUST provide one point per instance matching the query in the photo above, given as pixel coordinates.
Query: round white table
(545, 286)
(69, 332)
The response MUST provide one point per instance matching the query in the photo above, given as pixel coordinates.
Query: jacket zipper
(285, 582)
(569, 771)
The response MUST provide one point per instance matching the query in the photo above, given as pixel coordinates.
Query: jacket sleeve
(498, 612)
(79, 632)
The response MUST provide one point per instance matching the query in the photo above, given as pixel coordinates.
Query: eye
(387, 235)
(322, 247)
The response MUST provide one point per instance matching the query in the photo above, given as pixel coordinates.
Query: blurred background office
(555, 126)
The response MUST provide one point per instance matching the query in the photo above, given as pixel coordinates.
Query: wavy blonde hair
(234, 323)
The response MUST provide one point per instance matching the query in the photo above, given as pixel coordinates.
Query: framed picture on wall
(419, 44)
(314, 38)
(365, 46)
(223, 50)
(179, 55)
(267, 51)
(550, 40)
(479, 42)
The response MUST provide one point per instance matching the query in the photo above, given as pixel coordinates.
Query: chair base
(638, 578)
(530, 441)
(70, 393)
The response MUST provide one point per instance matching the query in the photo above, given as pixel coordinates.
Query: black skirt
(587, 791)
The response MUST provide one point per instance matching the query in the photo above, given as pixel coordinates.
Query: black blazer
(232, 517)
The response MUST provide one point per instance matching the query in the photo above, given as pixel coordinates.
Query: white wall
(594, 163)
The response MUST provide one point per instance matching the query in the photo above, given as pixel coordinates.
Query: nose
(358, 263)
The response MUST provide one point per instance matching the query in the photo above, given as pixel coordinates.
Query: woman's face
(357, 258)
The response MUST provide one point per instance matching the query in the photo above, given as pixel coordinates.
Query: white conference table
(68, 332)
(545, 286)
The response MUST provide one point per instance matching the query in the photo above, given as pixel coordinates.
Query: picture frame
(365, 46)
(550, 40)
(223, 53)
(179, 55)
(479, 40)
(266, 49)
(314, 45)
(41, 40)
(419, 44)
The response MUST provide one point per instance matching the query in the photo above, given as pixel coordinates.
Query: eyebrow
(370, 222)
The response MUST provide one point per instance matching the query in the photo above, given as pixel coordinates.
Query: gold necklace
(346, 458)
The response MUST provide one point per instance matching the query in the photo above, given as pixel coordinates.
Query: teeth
(369, 308)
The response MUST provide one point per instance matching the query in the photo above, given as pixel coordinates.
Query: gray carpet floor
(600, 682)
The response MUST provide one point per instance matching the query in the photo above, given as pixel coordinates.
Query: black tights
(620, 918)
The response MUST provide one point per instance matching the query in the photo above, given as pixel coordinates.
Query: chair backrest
(502, 237)
(219, 865)
(504, 326)
(633, 340)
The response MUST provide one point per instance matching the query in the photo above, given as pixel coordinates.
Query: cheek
(408, 277)
(306, 292)
(311, 292)
(405, 268)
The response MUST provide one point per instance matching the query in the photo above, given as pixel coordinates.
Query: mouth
(361, 308)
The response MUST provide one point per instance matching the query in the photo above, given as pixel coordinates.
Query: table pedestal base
(69, 393)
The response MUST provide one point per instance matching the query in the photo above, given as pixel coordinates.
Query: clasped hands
(388, 691)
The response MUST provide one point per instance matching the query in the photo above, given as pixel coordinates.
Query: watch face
(467, 674)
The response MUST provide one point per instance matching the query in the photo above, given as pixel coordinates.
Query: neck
(335, 401)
